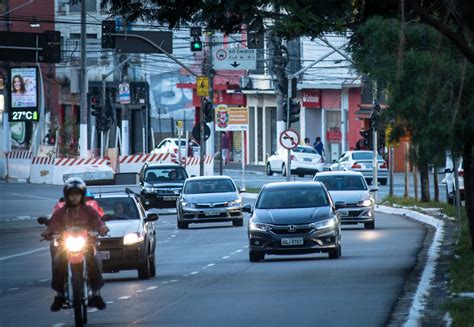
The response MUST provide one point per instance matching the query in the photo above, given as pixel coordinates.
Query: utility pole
(211, 142)
(125, 150)
(83, 143)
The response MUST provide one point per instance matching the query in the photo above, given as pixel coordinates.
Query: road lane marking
(174, 280)
(151, 288)
(139, 291)
(44, 280)
(124, 297)
(14, 289)
(36, 197)
(194, 273)
(22, 254)
(211, 265)
(238, 251)
(226, 257)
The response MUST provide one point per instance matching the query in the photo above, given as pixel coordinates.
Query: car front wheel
(238, 222)
(370, 225)
(144, 270)
(335, 253)
(283, 170)
(256, 256)
(269, 169)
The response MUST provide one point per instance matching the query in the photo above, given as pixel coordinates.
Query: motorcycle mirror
(42, 221)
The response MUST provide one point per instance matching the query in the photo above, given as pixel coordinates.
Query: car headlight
(259, 226)
(188, 204)
(177, 192)
(365, 203)
(149, 189)
(234, 203)
(327, 223)
(132, 238)
(75, 244)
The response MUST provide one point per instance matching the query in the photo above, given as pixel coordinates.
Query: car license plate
(212, 213)
(104, 255)
(308, 159)
(344, 213)
(292, 241)
(169, 198)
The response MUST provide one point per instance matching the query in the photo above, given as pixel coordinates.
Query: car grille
(351, 205)
(210, 205)
(285, 230)
(165, 192)
(107, 243)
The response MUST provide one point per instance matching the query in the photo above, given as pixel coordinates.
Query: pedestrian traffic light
(108, 40)
(96, 108)
(208, 112)
(367, 138)
(375, 117)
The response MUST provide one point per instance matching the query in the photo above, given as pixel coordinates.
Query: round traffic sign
(289, 139)
(221, 54)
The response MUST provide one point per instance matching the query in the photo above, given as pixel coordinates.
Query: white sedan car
(304, 160)
(171, 145)
(362, 161)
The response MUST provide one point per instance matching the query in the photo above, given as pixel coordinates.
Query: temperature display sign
(23, 87)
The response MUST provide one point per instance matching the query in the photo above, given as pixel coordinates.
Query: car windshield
(120, 208)
(342, 183)
(165, 175)
(292, 198)
(301, 149)
(364, 156)
(209, 186)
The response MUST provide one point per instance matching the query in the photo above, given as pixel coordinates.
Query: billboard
(231, 118)
(23, 94)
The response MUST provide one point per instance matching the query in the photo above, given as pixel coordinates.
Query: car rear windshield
(292, 198)
(118, 208)
(165, 175)
(364, 156)
(342, 183)
(301, 149)
(209, 186)
(183, 142)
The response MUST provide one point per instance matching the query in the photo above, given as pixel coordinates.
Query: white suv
(171, 145)
(304, 160)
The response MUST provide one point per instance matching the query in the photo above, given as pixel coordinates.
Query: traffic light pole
(83, 72)
(375, 162)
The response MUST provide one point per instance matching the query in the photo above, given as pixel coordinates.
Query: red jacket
(89, 201)
(86, 218)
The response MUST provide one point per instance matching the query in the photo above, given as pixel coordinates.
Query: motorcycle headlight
(234, 203)
(75, 243)
(132, 238)
(259, 226)
(188, 204)
(365, 203)
(327, 223)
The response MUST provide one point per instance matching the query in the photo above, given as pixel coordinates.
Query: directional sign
(202, 86)
(234, 58)
(289, 139)
(124, 93)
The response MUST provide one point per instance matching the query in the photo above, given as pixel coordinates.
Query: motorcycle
(76, 242)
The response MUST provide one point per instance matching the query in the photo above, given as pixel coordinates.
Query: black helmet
(74, 184)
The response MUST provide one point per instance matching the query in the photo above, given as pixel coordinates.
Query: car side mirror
(151, 217)
(340, 205)
(247, 208)
(193, 175)
(242, 190)
(373, 189)
(447, 171)
(334, 160)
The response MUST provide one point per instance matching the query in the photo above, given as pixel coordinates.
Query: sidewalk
(237, 167)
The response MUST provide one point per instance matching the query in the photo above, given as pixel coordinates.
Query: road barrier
(134, 163)
(42, 170)
(3, 165)
(19, 164)
(66, 166)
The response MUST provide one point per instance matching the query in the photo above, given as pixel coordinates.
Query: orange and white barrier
(193, 167)
(134, 163)
(19, 164)
(64, 166)
(42, 170)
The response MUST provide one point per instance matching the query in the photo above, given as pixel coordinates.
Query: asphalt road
(204, 277)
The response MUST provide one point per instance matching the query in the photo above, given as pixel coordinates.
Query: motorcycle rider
(75, 213)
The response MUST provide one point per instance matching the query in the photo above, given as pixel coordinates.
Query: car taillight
(175, 150)
(384, 165)
(356, 165)
(292, 157)
(461, 173)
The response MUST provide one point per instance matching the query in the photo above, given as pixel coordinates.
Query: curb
(428, 274)
(240, 171)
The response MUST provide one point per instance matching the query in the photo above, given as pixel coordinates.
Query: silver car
(362, 161)
(351, 188)
(209, 199)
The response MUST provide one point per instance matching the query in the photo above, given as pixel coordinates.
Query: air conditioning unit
(63, 8)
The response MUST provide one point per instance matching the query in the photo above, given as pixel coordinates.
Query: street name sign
(234, 58)
(289, 139)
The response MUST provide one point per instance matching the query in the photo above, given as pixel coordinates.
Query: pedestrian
(190, 148)
(225, 146)
(319, 147)
(307, 141)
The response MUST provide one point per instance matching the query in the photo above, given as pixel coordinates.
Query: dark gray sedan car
(209, 199)
(294, 218)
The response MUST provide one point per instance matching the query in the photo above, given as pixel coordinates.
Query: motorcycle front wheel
(77, 290)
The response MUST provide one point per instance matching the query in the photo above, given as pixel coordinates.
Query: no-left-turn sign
(289, 139)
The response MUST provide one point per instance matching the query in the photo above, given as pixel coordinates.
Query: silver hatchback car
(362, 161)
(351, 188)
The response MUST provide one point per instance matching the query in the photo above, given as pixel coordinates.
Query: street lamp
(34, 23)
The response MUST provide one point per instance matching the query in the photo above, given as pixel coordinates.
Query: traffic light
(208, 112)
(108, 40)
(52, 47)
(367, 138)
(294, 111)
(103, 123)
(96, 108)
(196, 44)
(375, 117)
